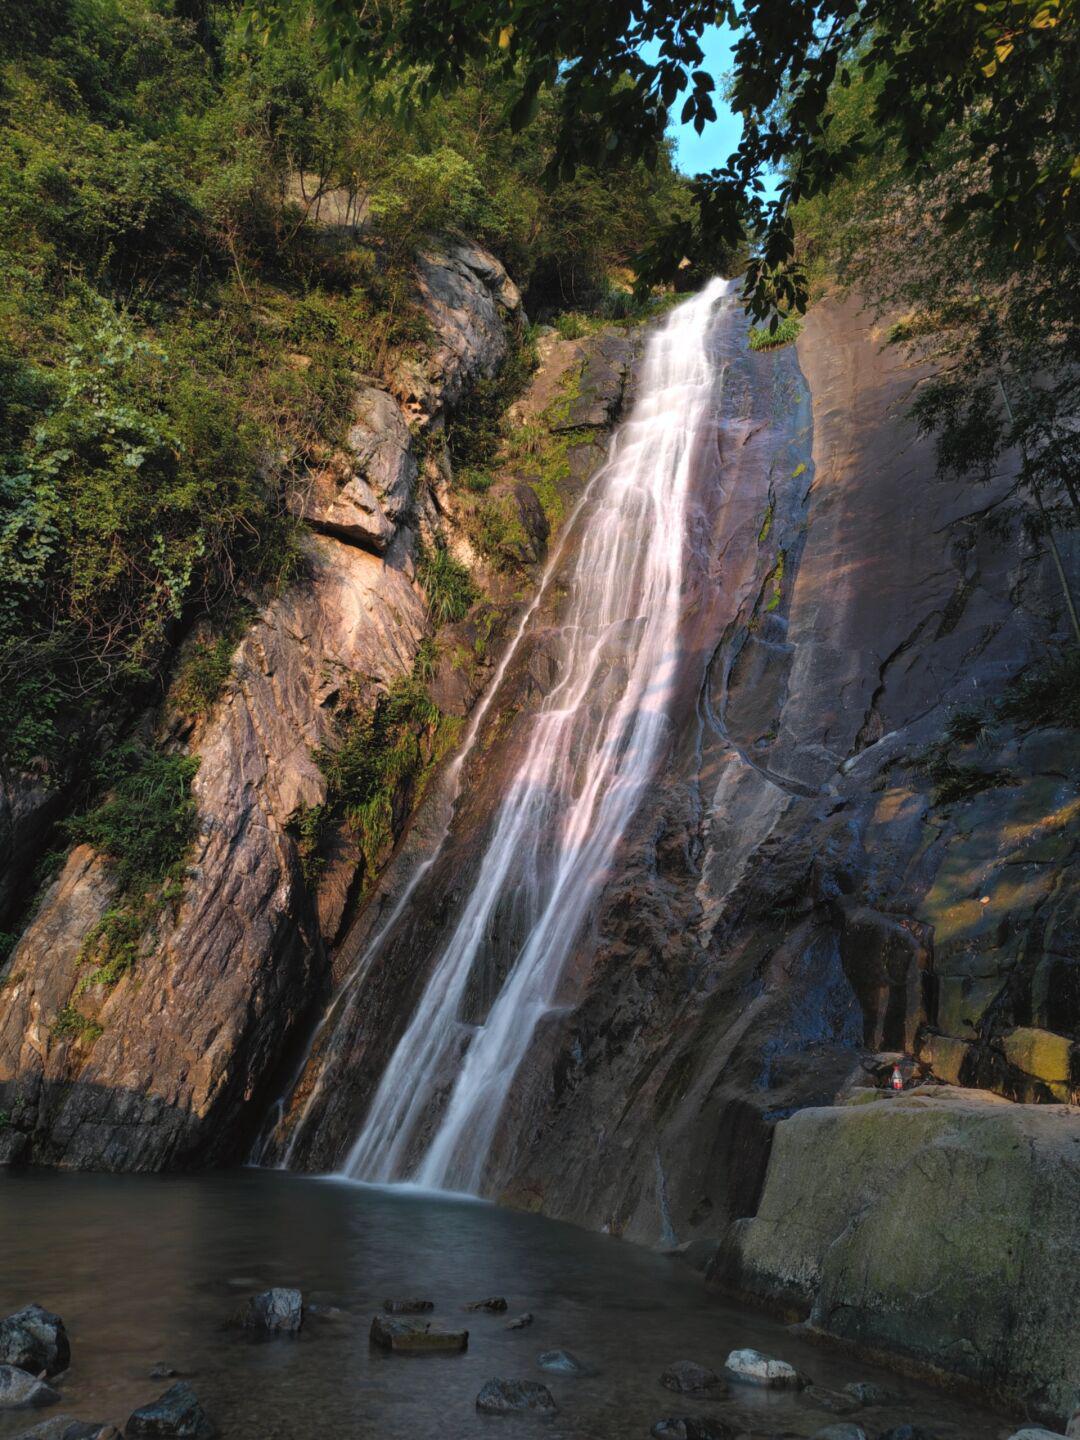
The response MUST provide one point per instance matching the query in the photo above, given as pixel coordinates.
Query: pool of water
(148, 1269)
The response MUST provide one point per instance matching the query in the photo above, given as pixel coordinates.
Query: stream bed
(146, 1269)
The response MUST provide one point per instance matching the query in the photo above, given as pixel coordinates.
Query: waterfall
(593, 746)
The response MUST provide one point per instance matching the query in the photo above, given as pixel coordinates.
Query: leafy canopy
(997, 76)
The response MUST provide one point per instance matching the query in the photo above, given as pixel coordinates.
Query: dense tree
(997, 79)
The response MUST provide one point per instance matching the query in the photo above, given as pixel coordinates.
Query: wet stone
(755, 1368)
(509, 1397)
(839, 1402)
(522, 1321)
(494, 1305)
(843, 1431)
(1036, 1432)
(277, 1311)
(66, 1427)
(562, 1362)
(177, 1414)
(866, 1392)
(688, 1378)
(34, 1339)
(408, 1306)
(692, 1427)
(908, 1432)
(410, 1337)
(19, 1390)
(162, 1371)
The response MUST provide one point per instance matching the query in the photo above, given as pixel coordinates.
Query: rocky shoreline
(35, 1356)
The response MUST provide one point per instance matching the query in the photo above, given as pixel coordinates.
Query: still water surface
(147, 1269)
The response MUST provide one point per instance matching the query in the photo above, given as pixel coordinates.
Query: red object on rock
(897, 1081)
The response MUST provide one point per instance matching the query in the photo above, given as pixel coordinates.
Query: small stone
(866, 1392)
(562, 1362)
(34, 1339)
(410, 1337)
(162, 1371)
(688, 1378)
(408, 1307)
(758, 1369)
(839, 1402)
(495, 1305)
(521, 1322)
(177, 1414)
(843, 1431)
(19, 1390)
(692, 1427)
(279, 1311)
(66, 1427)
(507, 1397)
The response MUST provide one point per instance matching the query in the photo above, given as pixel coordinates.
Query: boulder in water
(162, 1371)
(19, 1390)
(34, 1339)
(688, 1378)
(410, 1337)
(510, 1397)
(176, 1415)
(408, 1307)
(844, 1431)
(522, 1322)
(692, 1427)
(758, 1369)
(562, 1362)
(494, 1305)
(277, 1311)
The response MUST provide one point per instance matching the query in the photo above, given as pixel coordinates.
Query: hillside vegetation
(179, 337)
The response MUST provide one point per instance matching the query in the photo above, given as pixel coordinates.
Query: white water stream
(593, 747)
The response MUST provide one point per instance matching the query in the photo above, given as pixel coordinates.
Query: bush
(1049, 694)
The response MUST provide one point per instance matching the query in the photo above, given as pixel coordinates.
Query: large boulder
(36, 1340)
(938, 1225)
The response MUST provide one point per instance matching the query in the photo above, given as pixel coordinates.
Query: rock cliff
(174, 1063)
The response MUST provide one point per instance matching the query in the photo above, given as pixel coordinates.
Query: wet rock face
(192, 1045)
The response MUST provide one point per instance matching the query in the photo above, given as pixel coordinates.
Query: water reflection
(150, 1268)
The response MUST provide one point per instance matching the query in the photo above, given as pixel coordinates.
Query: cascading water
(593, 747)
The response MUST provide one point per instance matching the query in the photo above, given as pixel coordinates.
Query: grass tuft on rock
(779, 331)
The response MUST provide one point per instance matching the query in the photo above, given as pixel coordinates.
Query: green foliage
(71, 1024)
(995, 81)
(207, 665)
(375, 768)
(447, 585)
(8, 942)
(775, 583)
(779, 331)
(201, 244)
(144, 827)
